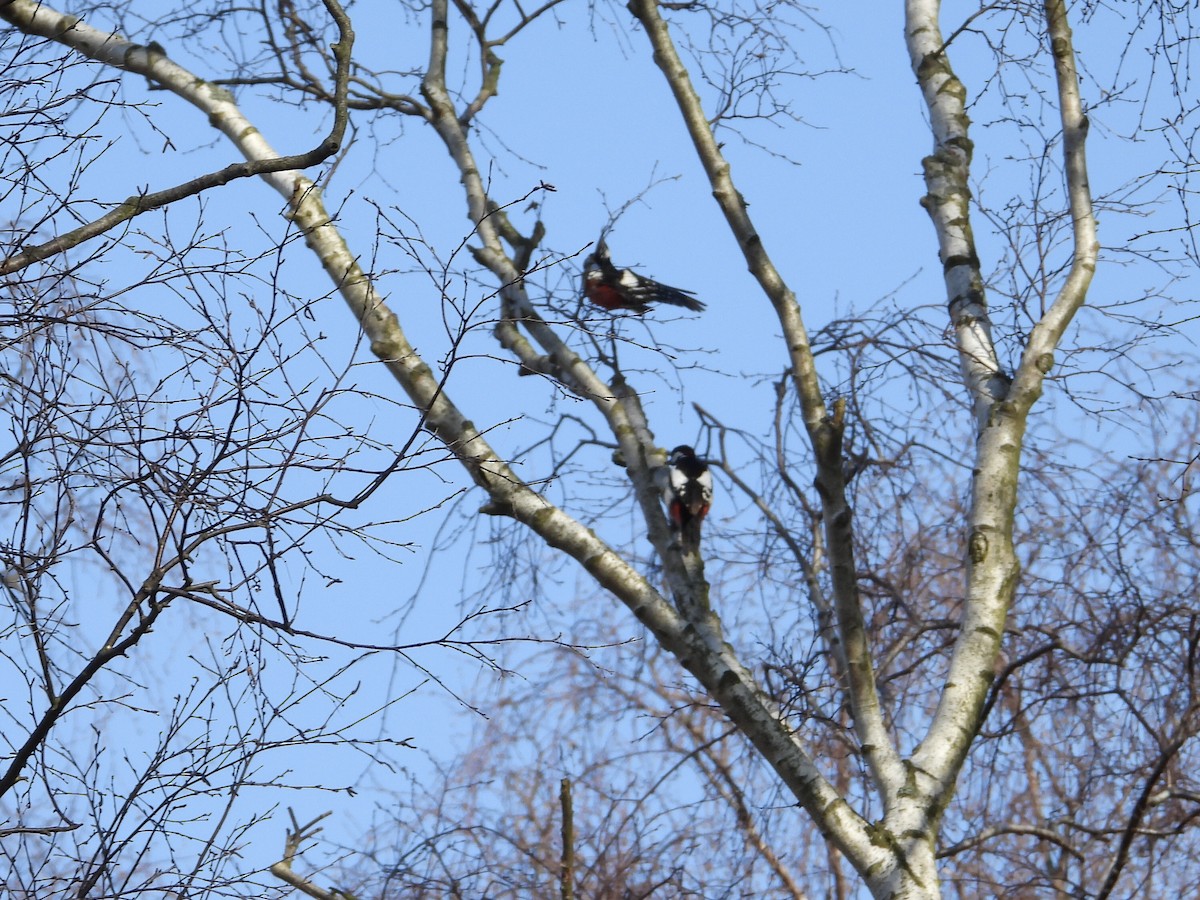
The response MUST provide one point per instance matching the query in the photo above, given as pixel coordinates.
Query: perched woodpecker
(687, 489)
(612, 288)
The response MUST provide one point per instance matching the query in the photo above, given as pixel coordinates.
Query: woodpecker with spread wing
(612, 288)
(687, 489)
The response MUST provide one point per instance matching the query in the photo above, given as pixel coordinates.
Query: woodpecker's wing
(694, 492)
(705, 483)
(607, 295)
(640, 291)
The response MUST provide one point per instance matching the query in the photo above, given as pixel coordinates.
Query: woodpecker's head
(684, 461)
(680, 453)
(598, 258)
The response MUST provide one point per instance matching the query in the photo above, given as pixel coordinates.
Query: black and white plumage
(611, 288)
(687, 489)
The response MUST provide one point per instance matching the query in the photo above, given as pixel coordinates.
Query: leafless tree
(939, 635)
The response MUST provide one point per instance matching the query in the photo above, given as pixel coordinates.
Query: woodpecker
(687, 489)
(612, 288)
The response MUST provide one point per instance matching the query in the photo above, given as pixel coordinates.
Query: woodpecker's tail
(689, 533)
(662, 293)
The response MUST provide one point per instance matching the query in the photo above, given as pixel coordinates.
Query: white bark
(1002, 409)
(948, 201)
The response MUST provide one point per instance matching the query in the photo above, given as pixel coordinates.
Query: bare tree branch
(34, 18)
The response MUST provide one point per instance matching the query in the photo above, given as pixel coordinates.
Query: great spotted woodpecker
(612, 288)
(687, 489)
